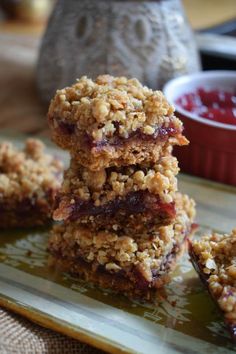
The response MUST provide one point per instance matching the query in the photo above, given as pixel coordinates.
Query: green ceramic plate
(185, 321)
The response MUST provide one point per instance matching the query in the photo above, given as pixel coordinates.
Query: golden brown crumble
(105, 185)
(98, 107)
(126, 283)
(120, 251)
(110, 250)
(217, 256)
(27, 173)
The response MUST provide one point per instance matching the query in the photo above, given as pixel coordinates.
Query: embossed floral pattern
(29, 251)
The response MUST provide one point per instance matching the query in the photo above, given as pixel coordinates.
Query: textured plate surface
(185, 320)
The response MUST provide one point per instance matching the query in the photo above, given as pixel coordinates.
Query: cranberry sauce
(134, 203)
(216, 105)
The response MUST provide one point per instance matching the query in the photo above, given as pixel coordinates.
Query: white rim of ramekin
(188, 78)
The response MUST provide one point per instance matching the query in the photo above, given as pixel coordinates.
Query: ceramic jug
(150, 40)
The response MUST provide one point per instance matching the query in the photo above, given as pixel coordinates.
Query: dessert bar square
(113, 122)
(135, 264)
(29, 180)
(119, 196)
(214, 258)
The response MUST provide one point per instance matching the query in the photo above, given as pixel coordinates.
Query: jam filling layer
(161, 134)
(133, 203)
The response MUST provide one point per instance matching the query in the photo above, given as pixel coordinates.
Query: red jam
(217, 105)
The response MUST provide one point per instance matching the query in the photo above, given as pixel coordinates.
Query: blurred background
(27, 82)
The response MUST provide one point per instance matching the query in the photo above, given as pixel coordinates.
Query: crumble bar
(214, 258)
(118, 196)
(29, 180)
(113, 121)
(134, 264)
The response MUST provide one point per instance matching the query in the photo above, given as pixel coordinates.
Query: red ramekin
(212, 150)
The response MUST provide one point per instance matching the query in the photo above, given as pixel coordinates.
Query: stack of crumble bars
(123, 223)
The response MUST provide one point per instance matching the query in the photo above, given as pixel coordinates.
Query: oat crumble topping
(104, 185)
(109, 103)
(28, 172)
(217, 256)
